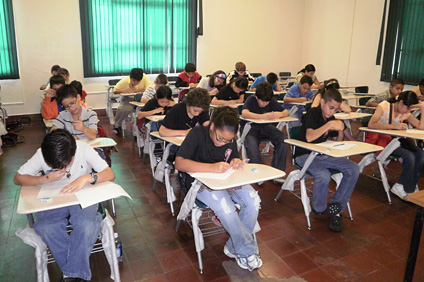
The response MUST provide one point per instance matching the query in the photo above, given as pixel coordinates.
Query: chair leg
(385, 182)
(306, 202)
(350, 211)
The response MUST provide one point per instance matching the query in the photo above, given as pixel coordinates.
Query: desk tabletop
(138, 104)
(351, 115)
(232, 106)
(174, 140)
(354, 96)
(416, 198)
(49, 122)
(414, 134)
(295, 103)
(261, 121)
(250, 173)
(101, 142)
(360, 148)
(155, 117)
(365, 107)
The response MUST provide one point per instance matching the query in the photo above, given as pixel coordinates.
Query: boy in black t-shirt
(318, 125)
(262, 106)
(232, 93)
(185, 116)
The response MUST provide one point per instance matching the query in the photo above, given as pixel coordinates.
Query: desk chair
(201, 219)
(362, 89)
(111, 99)
(105, 242)
(284, 78)
(255, 75)
(301, 174)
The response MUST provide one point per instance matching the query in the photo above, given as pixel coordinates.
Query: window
(8, 55)
(404, 44)
(155, 35)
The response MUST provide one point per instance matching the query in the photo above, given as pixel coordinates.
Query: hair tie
(221, 75)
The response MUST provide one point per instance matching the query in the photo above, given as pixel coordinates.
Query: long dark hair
(408, 98)
(226, 118)
(220, 74)
(307, 68)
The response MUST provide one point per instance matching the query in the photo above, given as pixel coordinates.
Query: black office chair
(362, 89)
(256, 74)
(111, 99)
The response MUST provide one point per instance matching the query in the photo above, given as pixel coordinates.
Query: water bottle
(118, 245)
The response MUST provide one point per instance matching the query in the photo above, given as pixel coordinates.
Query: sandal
(332, 209)
(336, 223)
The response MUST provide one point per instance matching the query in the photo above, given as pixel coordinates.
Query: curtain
(8, 55)
(155, 35)
(404, 44)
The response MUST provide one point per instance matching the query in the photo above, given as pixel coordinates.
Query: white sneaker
(251, 263)
(279, 180)
(417, 189)
(398, 190)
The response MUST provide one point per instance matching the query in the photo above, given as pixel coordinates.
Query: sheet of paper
(337, 145)
(101, 192)
(157, 117)
(212, 175)
(340, 115)
(52, 189)
(415, 131)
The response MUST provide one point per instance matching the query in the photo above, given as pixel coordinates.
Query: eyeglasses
(219, 139)
(71, 105)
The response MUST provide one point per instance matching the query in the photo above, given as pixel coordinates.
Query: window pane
(8, 55)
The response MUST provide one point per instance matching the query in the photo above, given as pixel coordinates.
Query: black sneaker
(117, 130)
(332, 209)
(336, 223)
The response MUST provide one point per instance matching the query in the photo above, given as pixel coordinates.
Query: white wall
(339, 37)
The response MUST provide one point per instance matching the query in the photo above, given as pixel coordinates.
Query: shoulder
(182, 74)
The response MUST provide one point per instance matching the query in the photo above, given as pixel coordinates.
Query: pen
(188, 125)
(341, 144)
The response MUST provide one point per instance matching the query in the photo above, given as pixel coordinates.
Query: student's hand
(42, 87)
(50, 93)
(270, 115)
(129, 90)
(192, 84)
(237, 163)
(336, 125)
(55, 175)
(214, 91)
(78, 124)
(220, 167)
(159, 111)
(401, 126)
(76, 185)
(303, 99)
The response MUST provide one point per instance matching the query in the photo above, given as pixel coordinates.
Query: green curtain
(404, 45)
(155, 35)
(8, 56)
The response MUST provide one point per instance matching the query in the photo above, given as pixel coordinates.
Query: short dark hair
(58, 148)
(66, 91)
(220, 74)
(136, 74)
(306, 79)
(240, 66)
(189, 67)
(332, 94)
(408, 98)
(307, 68)
(77, 85)
(161, 79)
(396, 81)
(264, 91)
(226, 118)
(62, 71)
(242, 83)
(54, 68)
(164, 92)
(271, 78)
(198, 97)
(56, 79)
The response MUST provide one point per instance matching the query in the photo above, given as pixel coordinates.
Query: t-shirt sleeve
(33, 165)
(92, 120)
(121, 85)
(59, 122)
(149, 93)
(188, 148)
(149, 106)
(275, 106)
(249, 104)
(93, 158)
(170, 120)
(256, 83)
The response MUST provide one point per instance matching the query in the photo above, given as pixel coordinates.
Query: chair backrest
(256, 74)
(281, 96)
(290, 84)
(285, 73)
(295, 132)
(361, 89)
(113, 81)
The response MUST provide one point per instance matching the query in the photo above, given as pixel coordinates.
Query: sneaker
(336, 223)
(117, 130)
(398, 190)
(279, 180)
(251, 263)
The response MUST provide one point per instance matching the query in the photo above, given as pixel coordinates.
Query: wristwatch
(94, 177)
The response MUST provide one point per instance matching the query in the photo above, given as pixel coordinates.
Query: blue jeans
(72, 252)
(319, 169)
(412, 165)
(239, 225)
(267, 132)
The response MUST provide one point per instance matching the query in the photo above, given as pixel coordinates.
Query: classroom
(340, 38)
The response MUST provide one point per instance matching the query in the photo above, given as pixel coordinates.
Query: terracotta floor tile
(146, 268)
(318, 275)
(174, 261)
(184, 275)
(299, 262)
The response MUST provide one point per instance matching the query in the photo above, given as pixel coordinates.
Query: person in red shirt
(188, 78)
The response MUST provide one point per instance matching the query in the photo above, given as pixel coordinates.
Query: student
(333, 84)
(161, 80)
(136, 82)
(419, 90)
(213, 149)
(395, 88)
(272, 78)
(184, 116)
(79, 121)
(263, 106)
(320, 124)
(214, 83)
(53, 71)
(50, 107)
(160, 104)
(78, 86)
(232, 93)
(309, 70)
(412, 156)
(240, 71)
(298, 93)
(61, 157)
(65, 73)
(188, 78)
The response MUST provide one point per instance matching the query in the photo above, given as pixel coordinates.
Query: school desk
(347, 117)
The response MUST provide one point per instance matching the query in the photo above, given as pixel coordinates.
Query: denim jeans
(239, 225)
(412, 165)
(319, 169)
(72, 252)
(276, 137)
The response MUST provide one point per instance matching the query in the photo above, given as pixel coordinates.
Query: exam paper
(52, 189)
(88, 196)
(157, 117)
(337, 145)
(213, 175)
(340, 115)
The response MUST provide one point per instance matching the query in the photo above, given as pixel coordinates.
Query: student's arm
(317, 84)
(30, 180)
(345, 108)
(187, 165)
(317, 100)
(240, 100)
(216, 101)
(294, 100)
(180, 83)
(105, 175)
(371, 104)
(270, 115)
(166, 132)
(374, 124)
(278, 86)
(144, 100)
(413, 121)
(90, 133)
(150, 113)
(313, 134)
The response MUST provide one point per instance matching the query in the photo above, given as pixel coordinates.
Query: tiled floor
(373, 247)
